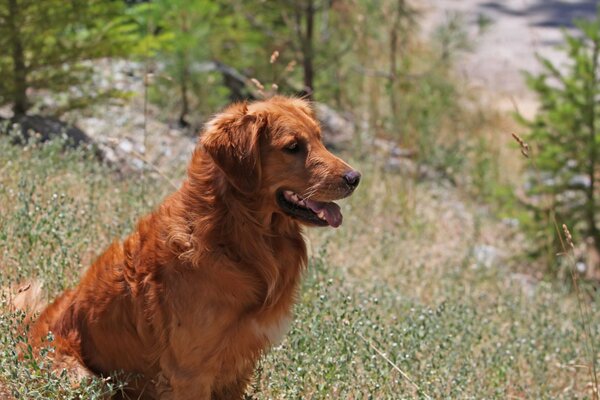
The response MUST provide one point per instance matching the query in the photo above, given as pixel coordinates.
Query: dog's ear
(232, 139)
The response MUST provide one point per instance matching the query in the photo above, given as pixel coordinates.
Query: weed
(399, 273)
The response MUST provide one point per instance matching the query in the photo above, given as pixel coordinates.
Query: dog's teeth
(294, 198)
(321, 214)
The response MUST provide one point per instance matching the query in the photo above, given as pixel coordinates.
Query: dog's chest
(274, 330)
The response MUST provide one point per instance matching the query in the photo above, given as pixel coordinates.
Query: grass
(399, 287)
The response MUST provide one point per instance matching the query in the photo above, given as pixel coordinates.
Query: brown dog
(205, 283)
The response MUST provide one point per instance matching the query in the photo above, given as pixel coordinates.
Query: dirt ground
(506, 35)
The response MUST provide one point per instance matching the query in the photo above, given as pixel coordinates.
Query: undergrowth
(395, 304)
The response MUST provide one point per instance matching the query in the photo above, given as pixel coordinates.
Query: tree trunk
(184, 73)
(19, 95)
(183, 86)
(393, 64)
(393, 73)
(308, 51)
(591, 122)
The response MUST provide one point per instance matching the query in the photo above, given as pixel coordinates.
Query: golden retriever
(189, 301)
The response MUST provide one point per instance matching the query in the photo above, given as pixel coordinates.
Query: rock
(393, 149)
(48, 128)
(403, 166)
(527, 283)
(580, 181)
(125, 145)
(486, 256)
(337, 129)
(238, 84)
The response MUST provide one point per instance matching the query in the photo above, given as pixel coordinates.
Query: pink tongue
(332, 211)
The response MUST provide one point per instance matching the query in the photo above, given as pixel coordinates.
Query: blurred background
(468, 263)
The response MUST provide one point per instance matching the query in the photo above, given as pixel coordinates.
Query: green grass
(399, 276)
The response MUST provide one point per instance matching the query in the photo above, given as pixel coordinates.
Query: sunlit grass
(400, 273)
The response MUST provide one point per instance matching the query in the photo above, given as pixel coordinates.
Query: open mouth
(318, 213)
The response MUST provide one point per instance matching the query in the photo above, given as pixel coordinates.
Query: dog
(205, 284)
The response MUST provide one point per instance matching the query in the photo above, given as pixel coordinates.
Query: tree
(186, 28)
(314, 33)
(565, 131)
(304, 27)
(47, 43)
(402, 21)
(187, 40)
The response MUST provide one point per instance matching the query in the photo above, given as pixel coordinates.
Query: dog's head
(272, 149)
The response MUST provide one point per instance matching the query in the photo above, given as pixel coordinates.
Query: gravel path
(514, 30)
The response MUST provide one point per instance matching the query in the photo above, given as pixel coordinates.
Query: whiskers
(311, 191)
(324, 187)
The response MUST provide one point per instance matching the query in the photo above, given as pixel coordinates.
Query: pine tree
(45, 43)
(316, 34)
(565, 131)
(187, 28)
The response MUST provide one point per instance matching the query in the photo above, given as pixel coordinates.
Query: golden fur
(190, 300)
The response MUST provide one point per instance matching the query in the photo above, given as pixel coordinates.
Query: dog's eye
(292, 148)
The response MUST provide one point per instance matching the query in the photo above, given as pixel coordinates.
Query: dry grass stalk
(568, 236)
(584, 313)
(260, 87)
(257, 83)
(290, 67)
(396, 367)
(524, 146)
(155, 168)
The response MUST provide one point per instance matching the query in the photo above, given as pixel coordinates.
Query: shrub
(563, 178)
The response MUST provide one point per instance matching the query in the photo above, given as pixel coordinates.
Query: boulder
(47, 128)
(337, 129)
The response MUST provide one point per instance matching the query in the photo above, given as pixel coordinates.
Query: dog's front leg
(183, 381)
(235, 388)
(183, 385)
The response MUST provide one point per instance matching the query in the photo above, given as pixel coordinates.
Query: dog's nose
(352, 178)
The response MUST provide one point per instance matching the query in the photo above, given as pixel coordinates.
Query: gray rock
(402, 165)
(527, 283)
(486, 256)
(337, 129)
(47, 128)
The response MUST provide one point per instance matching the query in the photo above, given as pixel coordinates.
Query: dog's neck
(209, 216)
(246, 211)
(215, 215)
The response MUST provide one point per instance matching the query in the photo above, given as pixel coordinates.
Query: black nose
(352, 178)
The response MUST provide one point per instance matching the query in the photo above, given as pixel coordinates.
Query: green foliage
(316, 35)
(178, 35)
(183, 37)
(49, 45)
(563, 174)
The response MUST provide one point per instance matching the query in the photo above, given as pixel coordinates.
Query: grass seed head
(257, 83)
(290, 67)
(568, 236)
(524, 146)
(274, 57)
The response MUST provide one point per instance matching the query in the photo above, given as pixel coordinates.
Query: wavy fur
(189, 301)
